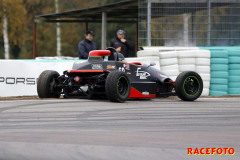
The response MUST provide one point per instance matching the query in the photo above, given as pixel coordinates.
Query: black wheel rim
(53, 87)
(191, 85)
(122, 86)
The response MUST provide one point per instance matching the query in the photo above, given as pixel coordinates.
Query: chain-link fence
(190, 23)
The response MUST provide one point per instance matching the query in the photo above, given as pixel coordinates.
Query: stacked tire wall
(187, 60)
(225, 70)
(146, 56)
(219, 67)
(234, 72)
(169, 64)
(219, 73)
(203, 68)
(174, 62)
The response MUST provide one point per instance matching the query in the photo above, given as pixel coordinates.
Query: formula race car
(106, 74)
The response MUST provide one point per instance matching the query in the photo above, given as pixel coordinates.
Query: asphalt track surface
(159, 129)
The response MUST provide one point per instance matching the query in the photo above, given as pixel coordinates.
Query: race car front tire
(46, 85)
(189, 86)
(117, 87)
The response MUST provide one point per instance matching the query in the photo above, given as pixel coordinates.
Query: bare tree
(5, 32)
(58, 31)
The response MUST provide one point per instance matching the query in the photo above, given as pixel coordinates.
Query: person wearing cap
(121, 44)
(86, 45)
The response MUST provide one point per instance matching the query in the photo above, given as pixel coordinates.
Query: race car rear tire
(117, 87)
(189, 86)
(45, 85)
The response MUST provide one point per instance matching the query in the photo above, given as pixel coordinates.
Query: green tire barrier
(234, 91)
(233, 78)
(233, 60)
(219, 54)
(234, 66)
(219, 81)
(218, 93)
(225, 70)
(234, 85)
(234, 52)
(234, 72)
(219, 61)
(219, 74)
(219, 87)
(219, 67)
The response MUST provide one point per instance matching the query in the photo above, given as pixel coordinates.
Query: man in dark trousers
(86, 45)
(121, 44)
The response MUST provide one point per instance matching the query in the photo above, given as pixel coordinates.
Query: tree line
(16, 28)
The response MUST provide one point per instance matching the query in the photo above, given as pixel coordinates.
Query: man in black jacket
(121, 44)
(86, 45)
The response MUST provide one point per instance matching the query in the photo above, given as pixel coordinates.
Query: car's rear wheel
(189, 86)
(46, 85)
(117, 87)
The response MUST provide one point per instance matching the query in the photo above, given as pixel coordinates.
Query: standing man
(86, 45)
(121, 44)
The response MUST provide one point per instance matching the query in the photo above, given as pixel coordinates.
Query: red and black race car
(117, 80)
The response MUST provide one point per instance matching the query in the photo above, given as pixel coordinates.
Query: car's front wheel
(46, 85)
(189, 86)
(117, 87)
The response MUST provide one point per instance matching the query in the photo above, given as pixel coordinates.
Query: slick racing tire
(46, 85)
(189, 86)
(117, 87)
